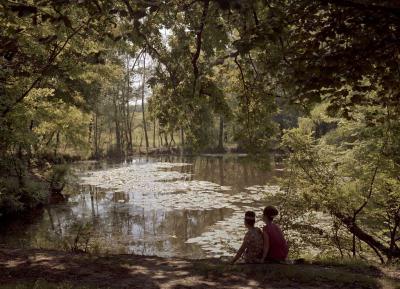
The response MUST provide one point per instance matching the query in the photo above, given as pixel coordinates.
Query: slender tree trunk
(57, 143)
(172, 139)
(182, 137)
(127, 106)
(132, 127)
(110, 138)
(95, 137)
(221, 134)
(143, 112)
(117, 128)
(160, 136)
(118, 138)
(99, 140)
(122, 123)
(166, 139)
(182, 140)
(154, 133)
(91, 124)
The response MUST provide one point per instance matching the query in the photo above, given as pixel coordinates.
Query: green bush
(16, 196)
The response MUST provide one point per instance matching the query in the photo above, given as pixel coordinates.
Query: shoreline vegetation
(38, 268)
(46, 175)
(43, 180)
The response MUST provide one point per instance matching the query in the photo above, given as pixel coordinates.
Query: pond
(164, 206)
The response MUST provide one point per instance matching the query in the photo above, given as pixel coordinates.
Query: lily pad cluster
(154, 186)
(225, 237)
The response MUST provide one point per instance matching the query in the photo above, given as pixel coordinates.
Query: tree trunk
(374, 243)
(91, 124)
(154, 133)
(166, 139)
(122, 123)
(160, 136)
(182, 140)
(172, 139)
(57, 144)
(95, 137)
(182, 137)
(221, 134)
(143, 112)
(127, 107)
(117, 128)
(99, 150)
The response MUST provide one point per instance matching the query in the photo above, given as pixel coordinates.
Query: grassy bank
(26, 269)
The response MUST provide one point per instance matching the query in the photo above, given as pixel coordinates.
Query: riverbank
(22, 268)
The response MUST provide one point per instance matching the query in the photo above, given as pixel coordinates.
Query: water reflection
(118, 221)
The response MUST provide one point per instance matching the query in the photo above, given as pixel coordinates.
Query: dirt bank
(129, 271)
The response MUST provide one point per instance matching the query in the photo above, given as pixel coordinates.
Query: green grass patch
(300, 274)
(349, 264)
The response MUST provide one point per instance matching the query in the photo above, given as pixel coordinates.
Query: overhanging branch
(196, 54)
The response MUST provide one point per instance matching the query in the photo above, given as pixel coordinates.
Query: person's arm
(266, 246)
(240, 251)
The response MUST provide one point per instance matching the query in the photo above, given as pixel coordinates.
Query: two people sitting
(264, 245)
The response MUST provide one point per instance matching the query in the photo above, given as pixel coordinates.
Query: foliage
(351, 173)
(17, 196)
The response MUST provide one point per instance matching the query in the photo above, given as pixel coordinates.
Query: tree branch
(365, 237)
(373, 5)
(196, 55)
(222, 59)
(52, 58)
(369, 193)
(148, 45)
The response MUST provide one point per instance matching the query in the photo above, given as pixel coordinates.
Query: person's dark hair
(270, 212)
(250, 218)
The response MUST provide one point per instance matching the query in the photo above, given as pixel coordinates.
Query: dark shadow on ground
(129, 271)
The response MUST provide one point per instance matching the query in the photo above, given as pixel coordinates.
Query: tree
(143, 106)
(351, 173)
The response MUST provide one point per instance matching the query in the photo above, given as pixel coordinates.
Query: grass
(342, 275)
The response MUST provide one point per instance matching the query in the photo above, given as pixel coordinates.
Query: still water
(165, 206)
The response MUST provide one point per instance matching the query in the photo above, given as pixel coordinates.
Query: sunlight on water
(187, 207)
(225, 236)
(152, 188)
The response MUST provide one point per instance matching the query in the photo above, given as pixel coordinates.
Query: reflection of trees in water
(160, 232)
(63, 221)
(221, 170)
(123, 226)
(187, 224)
(236, 172)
